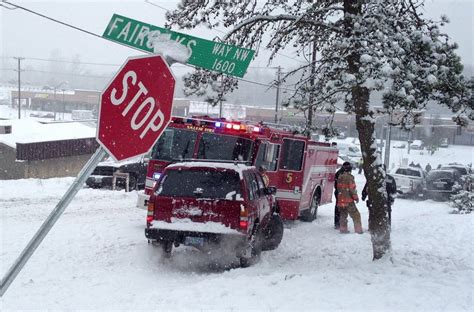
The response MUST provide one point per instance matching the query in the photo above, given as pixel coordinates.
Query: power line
(67, 74)
(110, 64)
(69, 62)
(98, 36)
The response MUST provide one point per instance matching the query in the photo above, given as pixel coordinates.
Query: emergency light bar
(237, 126)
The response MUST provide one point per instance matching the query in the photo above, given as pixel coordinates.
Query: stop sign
(135, 108)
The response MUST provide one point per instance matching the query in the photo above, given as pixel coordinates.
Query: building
(32, 149)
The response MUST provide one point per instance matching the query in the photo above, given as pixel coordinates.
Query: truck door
(253, 197)
(289, 178)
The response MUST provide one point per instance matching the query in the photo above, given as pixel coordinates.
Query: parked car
(444, 142)
(417, 145)
(350, 150)
(103, 174)
(399, 145)
(208, 205)
(464, 171)
(343, 158)
(410, 180)
(440, 183)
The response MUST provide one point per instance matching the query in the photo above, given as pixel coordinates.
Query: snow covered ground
(96, 257)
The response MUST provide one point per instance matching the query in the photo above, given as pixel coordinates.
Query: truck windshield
(200, 183)
(224, 147)
(175, 144)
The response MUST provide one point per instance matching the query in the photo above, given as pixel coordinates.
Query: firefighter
(336, 209)
(391, 187)
(347, 195)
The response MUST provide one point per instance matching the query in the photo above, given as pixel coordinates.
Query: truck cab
(410, 180)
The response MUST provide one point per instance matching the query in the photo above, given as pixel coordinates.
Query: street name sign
(211, 55)
(135, 108)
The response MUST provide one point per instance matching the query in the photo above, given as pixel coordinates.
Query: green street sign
(216, 56)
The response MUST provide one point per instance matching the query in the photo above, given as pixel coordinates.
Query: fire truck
(301, 169)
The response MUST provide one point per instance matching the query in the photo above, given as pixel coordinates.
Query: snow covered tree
(463, 200)
(362, 46)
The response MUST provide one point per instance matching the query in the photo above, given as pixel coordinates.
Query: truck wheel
(312, 213)
(419, 192)
(167, 247)
(252, 251)
(274, 233)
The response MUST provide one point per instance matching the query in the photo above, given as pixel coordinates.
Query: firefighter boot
(343, 228)
(358, 228)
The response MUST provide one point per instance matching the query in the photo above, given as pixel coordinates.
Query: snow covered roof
(32, 131)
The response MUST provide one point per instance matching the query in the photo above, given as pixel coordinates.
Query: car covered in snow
(410, 180)
(211, 205)
(441, 183)
(417, 145)
(341, 159)
(444, 142)
(350, 150)
(399, 145)
(112, 174)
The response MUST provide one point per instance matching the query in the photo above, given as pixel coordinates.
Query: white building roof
(32, 131)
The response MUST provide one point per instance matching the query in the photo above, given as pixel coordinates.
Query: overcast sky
(24, 34)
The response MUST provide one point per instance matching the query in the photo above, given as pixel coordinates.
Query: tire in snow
(273, 233)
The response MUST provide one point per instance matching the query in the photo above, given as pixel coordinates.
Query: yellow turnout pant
(351, 210)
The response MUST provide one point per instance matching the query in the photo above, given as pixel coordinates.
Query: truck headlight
(156, 176)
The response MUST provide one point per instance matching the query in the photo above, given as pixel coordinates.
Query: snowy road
(96, 257)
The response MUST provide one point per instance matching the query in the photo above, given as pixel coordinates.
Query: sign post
(135, 109)
(211, 55)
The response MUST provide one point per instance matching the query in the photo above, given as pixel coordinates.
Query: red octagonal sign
(135, 108)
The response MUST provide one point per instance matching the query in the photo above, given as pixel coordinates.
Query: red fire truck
(302, 170)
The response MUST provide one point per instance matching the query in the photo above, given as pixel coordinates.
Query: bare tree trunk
(374, 174)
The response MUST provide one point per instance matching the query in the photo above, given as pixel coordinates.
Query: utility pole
(387, 144)
(64, 106)
(19, 59)
(221, 89)
(309, 123)
(277, 93)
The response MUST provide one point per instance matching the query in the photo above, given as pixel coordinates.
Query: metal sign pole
(51, 220)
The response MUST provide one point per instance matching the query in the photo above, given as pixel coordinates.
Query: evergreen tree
(362, 46)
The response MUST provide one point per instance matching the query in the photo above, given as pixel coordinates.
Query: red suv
(207, 204)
